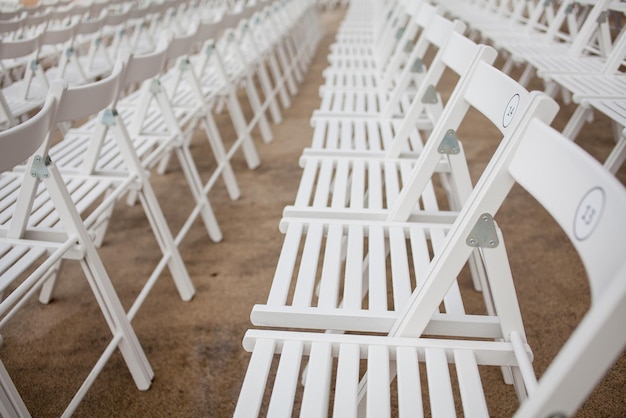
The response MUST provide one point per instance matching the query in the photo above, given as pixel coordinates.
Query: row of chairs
(578, 49)
(79, 43)
(93, 144)
(364, 316)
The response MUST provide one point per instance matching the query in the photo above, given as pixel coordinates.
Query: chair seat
(341, 366)
(364, 134)
(347, 269)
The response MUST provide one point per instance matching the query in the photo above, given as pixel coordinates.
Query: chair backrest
(145, 66)
(589, 204)
(18, 48)
(81, 101)
(510, 108)
(20, 142)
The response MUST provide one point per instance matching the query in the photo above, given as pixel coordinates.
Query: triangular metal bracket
(408, 47)
(183, 65)
(450, 143)
(399, 32)
(430, 95)
(155, 86)
(418, 66)
(484, 234)
(39, 168)
(209, 49)
(108, 117)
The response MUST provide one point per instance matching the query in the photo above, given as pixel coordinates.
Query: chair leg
(202, 201)
(617, 156)
(100, 283)
(259, 112)
(576, 122)
(217, 145)
(269, 94)
(280, 81)
(239, 122)
(11, 403)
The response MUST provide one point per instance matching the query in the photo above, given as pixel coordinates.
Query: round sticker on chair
(510, 109)
(588, 213)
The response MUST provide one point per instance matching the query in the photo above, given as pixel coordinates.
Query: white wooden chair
(332, 270)
(115, 169)
(585, 34)
(584, 199)
(382, 91)
(14, 105)
(23, 246)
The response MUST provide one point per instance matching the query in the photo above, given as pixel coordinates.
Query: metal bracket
(69, 52)
(430, 95)
(418, 66)
(155, 86)
(399, 33)
(484, 233)
(108, 117)
(209, 49)
(408, 47)
(183, 65)
(39, 168)
(603, 17)
(449, 143)
(34, 64)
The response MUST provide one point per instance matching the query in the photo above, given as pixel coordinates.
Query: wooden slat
(353, 293)
(378, 382)
(409, 386)
(347, 383)
(286, 383)
(470, 385)
(316, 388)
(253, 388)
(331, 269)
(439, 385)
(305, 285)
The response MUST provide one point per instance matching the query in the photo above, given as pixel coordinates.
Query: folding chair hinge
(399, 33)
(97, 41)
(603, 17)
(69, 52)
(155, 86)
(108, 117)
(483, 234)
(183, 65)
(39, 168)
(569, 9)
(34, 64)
(418, 66)
(430, 95)
(408, 47)
(450, 143)
(209, 49)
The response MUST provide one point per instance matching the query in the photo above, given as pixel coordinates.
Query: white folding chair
(13, 104)
(584, 199)
(332, 270)
(383, 91)
(360, 165)
(23, 246)
(113, 169)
